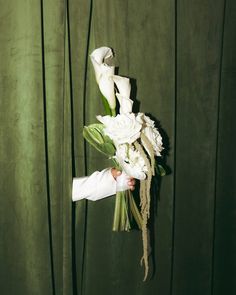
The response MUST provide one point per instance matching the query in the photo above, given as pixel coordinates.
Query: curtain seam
(216, 150)
(175, 141)
(73, 207)
(46, 148)
(83, 269)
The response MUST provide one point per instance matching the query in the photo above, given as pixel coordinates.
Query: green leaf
(107, 108)
(160, 170)
(94, 134)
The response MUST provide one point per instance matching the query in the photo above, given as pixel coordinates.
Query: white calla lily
(98, 58)
(103, 73)
(124, 88)
(126, 104)
(102, 53)
(106, 85)
(123, 85)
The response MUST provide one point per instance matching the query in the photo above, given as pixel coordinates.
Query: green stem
(125, 216)
(122, 215)
(113, 112)
(116, 220)
(127, 207)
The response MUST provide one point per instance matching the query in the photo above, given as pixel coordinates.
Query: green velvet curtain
(181, 56)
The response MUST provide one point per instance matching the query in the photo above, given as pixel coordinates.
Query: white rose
(151, 133)
(139, 118)
(155, 139)
(104, 73)
(124, 88)
(124, 128)
(131, 161)
(148, 122)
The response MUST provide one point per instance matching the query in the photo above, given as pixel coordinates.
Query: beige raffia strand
(145, 186)
(150, 151)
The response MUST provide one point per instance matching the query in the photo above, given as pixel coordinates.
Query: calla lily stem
(113, 112)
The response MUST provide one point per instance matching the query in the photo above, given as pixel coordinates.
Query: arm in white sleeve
(99, 185)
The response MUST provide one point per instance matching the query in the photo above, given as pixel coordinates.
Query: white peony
(124, 128)
(104, 73)
(131, 161)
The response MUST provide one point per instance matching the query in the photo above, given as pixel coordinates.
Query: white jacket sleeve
(97, 186)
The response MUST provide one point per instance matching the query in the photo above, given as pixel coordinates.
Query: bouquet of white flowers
(130, 140)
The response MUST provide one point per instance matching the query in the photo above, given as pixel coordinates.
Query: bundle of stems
(125, 210)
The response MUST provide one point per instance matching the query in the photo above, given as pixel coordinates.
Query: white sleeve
(97, 186)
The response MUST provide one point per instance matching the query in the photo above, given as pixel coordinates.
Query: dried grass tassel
(145, 186)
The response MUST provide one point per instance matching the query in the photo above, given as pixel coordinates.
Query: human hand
(130, 181)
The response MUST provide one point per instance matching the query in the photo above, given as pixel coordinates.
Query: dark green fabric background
(181, 55)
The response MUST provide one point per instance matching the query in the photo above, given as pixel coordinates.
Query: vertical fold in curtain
(35, 149)
(224, 264)
(79, 17)
(24, 236)
(59, 134)
(199, 39)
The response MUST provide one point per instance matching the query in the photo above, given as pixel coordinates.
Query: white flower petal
(103, 73)
(123, 85)
(139, 118)
(97, 69)
(131, 161)
(148, 121)
(106, 86)
(104, 119)
(155, 139)
(126, 104)
(124, 128)
(107, 70)
(101, 54)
